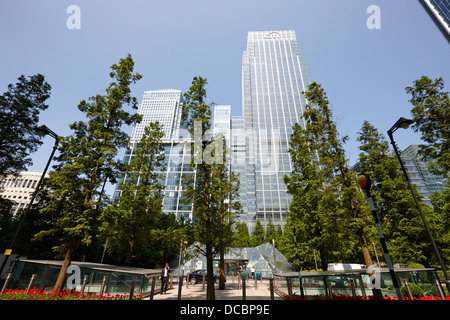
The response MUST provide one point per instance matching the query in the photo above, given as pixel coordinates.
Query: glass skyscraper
(439, 11)
(165, 107)
(274, 75)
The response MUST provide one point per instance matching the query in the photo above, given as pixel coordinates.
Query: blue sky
(363, 71)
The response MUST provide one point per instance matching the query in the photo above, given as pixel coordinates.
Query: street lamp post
(41, 131)
(365, 182)
(404, 124)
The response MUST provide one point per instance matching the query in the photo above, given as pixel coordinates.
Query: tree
(19, 115)
(315, 209)
(127, 224)
(324, 169)
(212, 190)
(353, 208)
(431, 116)
(88, 158)
(241, 235)
(402, 226)
(258, 235)
(270, 233)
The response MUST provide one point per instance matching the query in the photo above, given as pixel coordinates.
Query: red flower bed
(33, 294)
(346, 297)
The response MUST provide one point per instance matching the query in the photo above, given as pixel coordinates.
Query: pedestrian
(252, 272)
(165, 278)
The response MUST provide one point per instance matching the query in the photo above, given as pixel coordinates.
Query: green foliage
(241, 236)
(416, 291)
(400, 220)
(213, 191)
(431, 116)
(330, 213)
(87, 158)
(19, 115)
(127, 224)
(258, 235)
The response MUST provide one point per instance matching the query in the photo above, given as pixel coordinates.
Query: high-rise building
(274, 75)
(162, 106)
(439, 11)
(165, 106)
(425, 181)
(222, 121)
(20, 188)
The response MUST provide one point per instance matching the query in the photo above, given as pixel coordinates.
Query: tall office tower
(274, 75)
(439, 11)
(222, 121)
(165, 106)
(233, 129)
(162, 106)
(237, 160)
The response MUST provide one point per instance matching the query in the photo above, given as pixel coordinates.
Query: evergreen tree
(258, 235)
(270, 233)
(212, 191)
(88, 158)
(127, 223)
(241, 236)
(19, 115)
(431, 117)
(402, 226)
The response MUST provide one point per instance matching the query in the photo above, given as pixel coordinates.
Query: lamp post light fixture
(41, 131)
(404, 123)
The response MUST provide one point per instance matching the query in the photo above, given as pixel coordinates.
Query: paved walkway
(231, 292)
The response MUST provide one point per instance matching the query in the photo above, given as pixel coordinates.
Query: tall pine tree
(88, 158)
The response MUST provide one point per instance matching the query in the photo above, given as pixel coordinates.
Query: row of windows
(18, 183)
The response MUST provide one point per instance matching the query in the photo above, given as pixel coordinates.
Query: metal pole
(179, 260)
(315, 260)
(102, 288)
(5, 285)
(36, 191)
(438, 255)
(298, 266)
(387, 257)
(83, 286)
(289, 287)
(30, 283)
(243, 290)
(408, 290)
(133, 283)
(271, 289)
(274, 257)
(376, 254)
(352, 283)
(152, 291)
(180, 286)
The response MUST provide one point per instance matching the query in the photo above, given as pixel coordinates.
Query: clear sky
(363, 71)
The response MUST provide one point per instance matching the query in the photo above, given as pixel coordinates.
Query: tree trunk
(59, 285)
(210, 293)
(377, 294)
(222, 271)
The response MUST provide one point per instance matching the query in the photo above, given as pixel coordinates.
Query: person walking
(165, 278)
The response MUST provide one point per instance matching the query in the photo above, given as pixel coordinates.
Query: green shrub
(416, 291)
